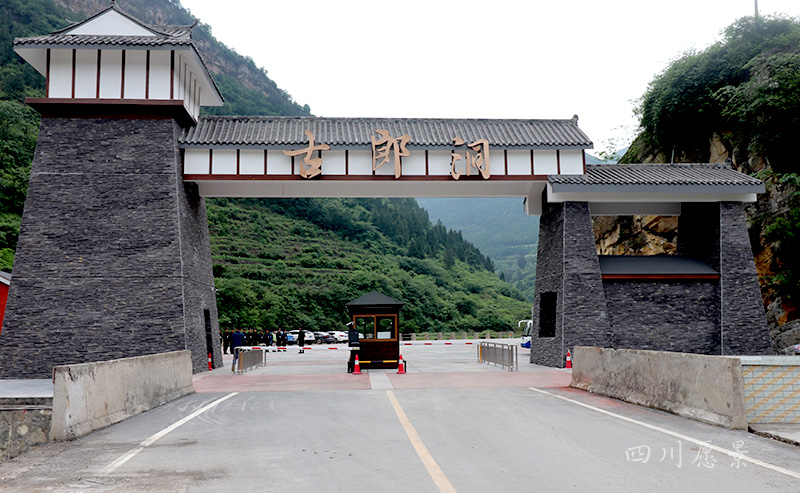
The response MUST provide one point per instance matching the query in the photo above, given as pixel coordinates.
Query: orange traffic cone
(401, 368)
(210, 364)
(357, 368)
(569, 360)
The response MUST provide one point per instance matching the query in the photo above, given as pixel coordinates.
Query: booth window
(376, 326)
(547, 314)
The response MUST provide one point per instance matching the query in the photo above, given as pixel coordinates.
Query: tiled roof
(642, 178)
(103, 40)
(653, 265)
(289, 131)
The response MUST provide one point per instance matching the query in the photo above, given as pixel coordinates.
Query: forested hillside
(740, 100)
(276, 262)
(291, 262)
(500, 228)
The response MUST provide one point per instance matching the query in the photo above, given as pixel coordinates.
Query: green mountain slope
(279, 262)
(500, 228)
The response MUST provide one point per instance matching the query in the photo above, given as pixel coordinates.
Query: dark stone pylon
(113, 258)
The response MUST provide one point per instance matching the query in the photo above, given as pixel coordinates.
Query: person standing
(237, 339)
(280, 340)
(301, 339)
(353, 343)
(226, 341)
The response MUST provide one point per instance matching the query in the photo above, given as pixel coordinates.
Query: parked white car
(338, 335)
(308, 338)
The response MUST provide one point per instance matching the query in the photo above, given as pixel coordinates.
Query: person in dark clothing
(301, 339)
(354, 344)
(237, 339)
(280, 340)
(352, 335)
(226, 341)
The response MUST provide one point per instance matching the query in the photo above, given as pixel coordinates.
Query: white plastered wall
(159, 74)
(135, 74)
(571, 161)
(60, 83)
(111, 24)
(110, 74)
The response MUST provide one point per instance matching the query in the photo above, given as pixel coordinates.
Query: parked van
(526, 332)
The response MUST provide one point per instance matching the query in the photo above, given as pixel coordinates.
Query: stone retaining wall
(706, 388)
(24, 425)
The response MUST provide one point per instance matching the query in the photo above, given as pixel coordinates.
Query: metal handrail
(249, 356)
(499, 354)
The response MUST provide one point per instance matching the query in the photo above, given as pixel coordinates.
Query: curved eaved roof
(656, 178)
(220, 131)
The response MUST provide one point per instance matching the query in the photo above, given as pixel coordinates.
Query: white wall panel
(195, 161)
(414, 164)
(571, 162)
(278, 163)
(178, 76)
(360, 163)
(111, 23)
(545, 162)
(498, 162)
(60, 74)
(159, 74)
(223, 162)
(135, 73)
(86, 74)
(251, 162)
(110, 74)
(519, 162)
(439, 163)
(333, 163)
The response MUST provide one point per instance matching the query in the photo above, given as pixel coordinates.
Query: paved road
(302, 425)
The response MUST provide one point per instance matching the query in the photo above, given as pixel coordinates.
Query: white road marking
(734, 454)
(131, 454)
(422, 451)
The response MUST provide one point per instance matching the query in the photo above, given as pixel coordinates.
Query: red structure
(5, 282)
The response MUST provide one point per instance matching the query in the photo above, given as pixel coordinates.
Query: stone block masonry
(113, 258)
(24, 425)
(567, 265)
(722, 316)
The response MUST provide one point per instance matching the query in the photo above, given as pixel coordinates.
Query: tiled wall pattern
(772, 393)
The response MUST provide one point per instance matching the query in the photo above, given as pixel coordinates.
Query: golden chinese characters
(478, 158)
(314, 163)
(387, 147)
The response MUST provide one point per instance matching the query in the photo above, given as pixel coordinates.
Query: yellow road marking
(422, 451)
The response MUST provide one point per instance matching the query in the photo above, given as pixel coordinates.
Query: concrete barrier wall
(706, 388)
(90, 396)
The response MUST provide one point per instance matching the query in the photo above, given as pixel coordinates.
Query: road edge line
(132, 453)
(730, 453)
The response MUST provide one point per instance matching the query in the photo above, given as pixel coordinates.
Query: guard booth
(376, 317)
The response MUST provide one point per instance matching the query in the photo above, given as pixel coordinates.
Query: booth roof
(374, 298)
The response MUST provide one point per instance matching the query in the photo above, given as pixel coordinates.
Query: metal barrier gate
(248, 357)
(499, 354)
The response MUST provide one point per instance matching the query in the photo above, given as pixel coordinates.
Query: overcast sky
(468, 59)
